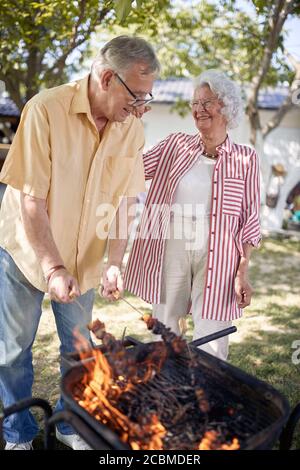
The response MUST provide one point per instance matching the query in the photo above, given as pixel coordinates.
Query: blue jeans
(20, 312)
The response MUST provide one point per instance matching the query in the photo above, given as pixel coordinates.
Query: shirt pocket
(117, 172)
(232, 196)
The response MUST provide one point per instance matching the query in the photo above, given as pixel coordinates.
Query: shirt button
(214, 215)
(210, 250)
(215, 198)
(212, 233)
(210, 269)
(208, 287)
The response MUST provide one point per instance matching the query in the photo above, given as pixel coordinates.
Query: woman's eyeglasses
(206, 104)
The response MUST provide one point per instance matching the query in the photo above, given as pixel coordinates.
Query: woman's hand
(138, 111)
(243, 289)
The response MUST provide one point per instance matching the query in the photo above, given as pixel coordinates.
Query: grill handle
(25, 404)
(287, 434)
(213, 336)
(81, 427)
(129, 340)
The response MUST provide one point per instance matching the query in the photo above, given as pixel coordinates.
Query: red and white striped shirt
(234, 220)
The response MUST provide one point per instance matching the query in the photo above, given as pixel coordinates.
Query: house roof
(8, 108)
(168, 91)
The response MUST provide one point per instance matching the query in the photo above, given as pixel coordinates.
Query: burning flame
(212, 441)
(101, 390)
(105, 382)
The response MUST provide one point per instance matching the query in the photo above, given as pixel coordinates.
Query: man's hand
(111, 282)
(63, 287)
(243, 290)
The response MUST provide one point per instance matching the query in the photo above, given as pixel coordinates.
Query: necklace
(210, 155)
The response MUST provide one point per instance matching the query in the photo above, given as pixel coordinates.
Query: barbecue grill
(261, 413)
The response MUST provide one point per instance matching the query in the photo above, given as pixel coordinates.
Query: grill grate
(251, 417)
(259, 410)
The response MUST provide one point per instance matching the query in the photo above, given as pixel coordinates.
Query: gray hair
(122, 52)
(227, 91)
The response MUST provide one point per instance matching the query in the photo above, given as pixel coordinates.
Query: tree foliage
(42, 41)
(248, 44)
(192, 36)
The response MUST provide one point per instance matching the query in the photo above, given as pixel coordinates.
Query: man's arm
(111, 279)
(243, 288)
(38, 231)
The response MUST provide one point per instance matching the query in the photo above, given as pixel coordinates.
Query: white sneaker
(19, 446)
(72, 440)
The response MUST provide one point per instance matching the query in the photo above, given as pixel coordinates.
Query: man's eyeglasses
(207, 104)
(137, 101)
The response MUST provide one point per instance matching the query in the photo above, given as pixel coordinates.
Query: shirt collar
(225, 146)
(80, 102)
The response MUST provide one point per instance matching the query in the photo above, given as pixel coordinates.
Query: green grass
(262, 346)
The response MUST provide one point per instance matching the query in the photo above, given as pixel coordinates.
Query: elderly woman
(201, 219)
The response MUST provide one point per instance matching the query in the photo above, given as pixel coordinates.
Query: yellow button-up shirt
(58, 155)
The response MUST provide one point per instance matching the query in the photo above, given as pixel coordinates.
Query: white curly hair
(227, 91)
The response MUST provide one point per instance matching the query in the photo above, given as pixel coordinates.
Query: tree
(274, 15)
(42, 41)
(249, 46)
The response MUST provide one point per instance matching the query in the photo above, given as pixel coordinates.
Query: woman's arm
(250, 230)
(250, 235)
(151, 158)
(243, 289)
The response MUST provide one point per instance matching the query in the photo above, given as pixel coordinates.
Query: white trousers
(183, 277)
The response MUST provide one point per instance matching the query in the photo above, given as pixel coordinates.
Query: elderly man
(78, 149)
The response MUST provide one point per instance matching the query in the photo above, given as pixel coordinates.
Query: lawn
(262, 345)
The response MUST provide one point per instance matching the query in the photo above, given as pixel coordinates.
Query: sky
(292, 43)
(291, 27)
